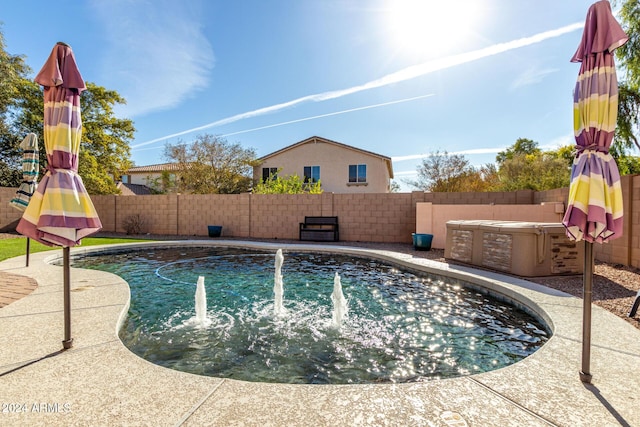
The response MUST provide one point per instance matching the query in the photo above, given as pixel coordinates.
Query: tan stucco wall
(143, 178)
(334, 164)
(432, 219)
(8, 213)
(390, 217)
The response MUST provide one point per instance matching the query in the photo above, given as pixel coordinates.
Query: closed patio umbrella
(594, 208)
(30, 169)
(61, 212)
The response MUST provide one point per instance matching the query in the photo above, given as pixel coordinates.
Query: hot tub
(521, 248)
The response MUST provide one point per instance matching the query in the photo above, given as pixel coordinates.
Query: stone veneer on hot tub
(522, 248)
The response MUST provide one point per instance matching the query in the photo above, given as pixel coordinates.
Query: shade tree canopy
(628, 61)
(211, 165)
(104, 151)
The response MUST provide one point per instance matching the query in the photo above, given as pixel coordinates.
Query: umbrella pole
(68, 341)
(587, 279)
(28, 244)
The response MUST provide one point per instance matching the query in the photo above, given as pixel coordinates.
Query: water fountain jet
(340, 307)
(201, 303)
(278, 308)
(388, 335)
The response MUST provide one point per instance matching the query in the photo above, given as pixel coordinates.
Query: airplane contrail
(550, 146)
(463, 152)
(335, 113)
(304, 119)
(396, 77)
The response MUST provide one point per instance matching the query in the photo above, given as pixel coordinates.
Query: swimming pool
(402, 325)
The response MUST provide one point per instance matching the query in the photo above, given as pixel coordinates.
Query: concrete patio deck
(100, 382)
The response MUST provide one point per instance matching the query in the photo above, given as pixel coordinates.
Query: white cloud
(389, 79)
(461, 153)
(273, 125)
(531, 76)
(551, 145)
(561, 141)
(156, 53)
(405, 173)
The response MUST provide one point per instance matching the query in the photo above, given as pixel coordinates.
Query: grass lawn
(10, 248)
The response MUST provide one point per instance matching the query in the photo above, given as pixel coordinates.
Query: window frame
(310, 178)
(271, 174)
(358, 178)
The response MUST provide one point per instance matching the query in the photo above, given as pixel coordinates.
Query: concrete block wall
(386, 217)
(8, 214)
(363, 217)
(326, 207)
(632, 214)
(432, 218)
(197, 212)
(523, 197)
(277, 216)
(557, 195)
(625, 250)
(159, 212)
(106, 206)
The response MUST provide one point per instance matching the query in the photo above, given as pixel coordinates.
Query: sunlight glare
(430, 27)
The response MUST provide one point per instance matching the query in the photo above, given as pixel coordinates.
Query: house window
(311, 174)
(269, 173)
(357, 173)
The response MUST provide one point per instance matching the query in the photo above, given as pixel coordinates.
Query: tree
(9, 177)
(13, 70)
(536, 172)
(567, 153)
(627, 165)
(444, 172)
(521, 146)
(291, 184)
(211, 165)
(104, 151)
(164, 184)
(524, 166)
(628, 56)
(490, 177)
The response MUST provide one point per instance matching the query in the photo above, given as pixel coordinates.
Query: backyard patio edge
(100, 382)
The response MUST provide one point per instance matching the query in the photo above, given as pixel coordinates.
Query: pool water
(401, 326)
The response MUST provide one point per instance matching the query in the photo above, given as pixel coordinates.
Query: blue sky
(400, 78)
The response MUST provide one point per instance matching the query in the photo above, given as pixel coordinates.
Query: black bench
(320, 229)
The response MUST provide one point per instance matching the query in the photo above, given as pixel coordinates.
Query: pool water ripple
(401, 326)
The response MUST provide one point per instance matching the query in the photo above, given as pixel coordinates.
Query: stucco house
(148, 176)
(340, 168)
(144, 175)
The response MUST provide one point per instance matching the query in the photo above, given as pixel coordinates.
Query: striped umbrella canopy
(30, 169)
(61, 212)
(594, 209)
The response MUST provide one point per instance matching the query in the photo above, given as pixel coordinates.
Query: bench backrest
(321, 220)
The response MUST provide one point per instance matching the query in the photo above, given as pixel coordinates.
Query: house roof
(155, 168)
(133, 189)
(314, 139)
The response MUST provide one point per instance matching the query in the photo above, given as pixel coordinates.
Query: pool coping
(101, 382)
